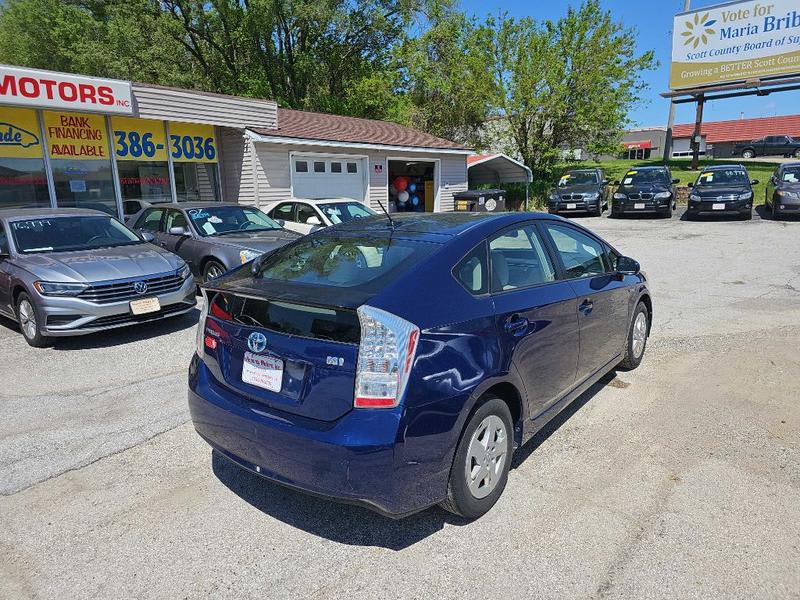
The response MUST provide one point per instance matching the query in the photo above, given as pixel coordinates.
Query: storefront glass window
(194, 159)
(23, 182)
(81, 163)
(140, 146)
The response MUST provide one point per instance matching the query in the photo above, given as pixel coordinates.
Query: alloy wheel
(27, 319)
(639, 334)
(488, 449)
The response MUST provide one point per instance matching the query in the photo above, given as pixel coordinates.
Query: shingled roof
(741, 130)
(302, 125)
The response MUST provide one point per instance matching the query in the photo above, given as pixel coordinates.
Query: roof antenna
(386, 212)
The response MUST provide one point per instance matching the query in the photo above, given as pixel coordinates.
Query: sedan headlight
(694, 198)
(662, 195)
(48, 288)
(746, 196)
(247, 255)
(619, 196)
(184, 271)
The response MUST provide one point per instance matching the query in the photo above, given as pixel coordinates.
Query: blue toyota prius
(398, 364)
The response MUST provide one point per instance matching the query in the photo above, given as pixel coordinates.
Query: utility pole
(671, 118)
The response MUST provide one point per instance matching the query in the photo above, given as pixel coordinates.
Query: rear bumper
(360, 458)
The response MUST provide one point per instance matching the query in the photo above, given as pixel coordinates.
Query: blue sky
(653, 21)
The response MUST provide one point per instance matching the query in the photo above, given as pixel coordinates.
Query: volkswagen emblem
(257, 342)
(140, 287)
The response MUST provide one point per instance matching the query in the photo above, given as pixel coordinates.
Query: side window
(284, 211)
(352, 167)
(319, 166)
(518, 260)
(612, 258)
(175, 218)
(301, 166)
(336, 167)
(3, 240)
(581, 255)
(472, 271)
(305, 212)
(150, 220)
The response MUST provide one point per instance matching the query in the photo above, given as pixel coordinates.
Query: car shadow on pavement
(356, 525)
(126, 335)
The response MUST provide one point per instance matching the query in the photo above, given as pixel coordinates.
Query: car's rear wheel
(212, 270)
(28, 319)
(482, 461)
(637, 338)
(748, 154)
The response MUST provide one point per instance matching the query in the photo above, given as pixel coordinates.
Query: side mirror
(147, 236)
(675, 181)
(606, 182)
(313, 220)
(628, 266)
(754, 182)
(690, 184)
(281, 222)
(179, 231)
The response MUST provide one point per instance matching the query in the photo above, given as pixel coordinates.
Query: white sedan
(304, 216)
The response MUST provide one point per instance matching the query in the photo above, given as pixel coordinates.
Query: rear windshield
(723, 177)
(355, 262)
(578, 178)
(65, 234)
(648, 176)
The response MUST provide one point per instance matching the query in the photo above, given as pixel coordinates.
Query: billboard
(734, 42)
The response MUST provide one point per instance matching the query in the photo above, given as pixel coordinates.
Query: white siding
(274, 183)
(236, 166)
(169, 104)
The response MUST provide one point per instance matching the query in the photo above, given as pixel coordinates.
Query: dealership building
(72, 141)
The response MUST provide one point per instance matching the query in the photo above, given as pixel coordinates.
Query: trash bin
(480, 201)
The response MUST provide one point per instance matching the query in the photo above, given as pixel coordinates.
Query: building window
(194, 161)
(352, 167)
(301, 166)
(319, 167)
(23, 181)
(143, 183)
(81, 162)
(336, 167)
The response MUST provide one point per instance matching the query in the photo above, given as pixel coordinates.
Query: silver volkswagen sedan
(76, 271)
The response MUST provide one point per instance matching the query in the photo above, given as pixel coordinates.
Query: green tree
(564, 84)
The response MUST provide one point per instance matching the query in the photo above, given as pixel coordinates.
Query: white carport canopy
(496, 169)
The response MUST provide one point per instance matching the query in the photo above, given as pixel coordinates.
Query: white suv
(304, 215)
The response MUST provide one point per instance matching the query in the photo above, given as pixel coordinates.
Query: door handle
(516, 325)
(586, 307)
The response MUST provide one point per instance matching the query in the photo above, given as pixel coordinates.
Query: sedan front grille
(642, 196)
(108, 293)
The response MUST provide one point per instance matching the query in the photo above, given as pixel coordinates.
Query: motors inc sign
(735, 42)
(43, 89)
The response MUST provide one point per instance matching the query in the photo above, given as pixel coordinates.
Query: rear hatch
(298, 358)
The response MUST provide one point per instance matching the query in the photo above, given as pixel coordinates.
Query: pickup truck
(771, 145)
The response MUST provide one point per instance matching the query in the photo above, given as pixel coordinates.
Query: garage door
(328, 177)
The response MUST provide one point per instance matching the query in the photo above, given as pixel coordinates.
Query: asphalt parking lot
(678, 480)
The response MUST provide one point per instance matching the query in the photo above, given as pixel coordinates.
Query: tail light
(385, 357)
(201, 325)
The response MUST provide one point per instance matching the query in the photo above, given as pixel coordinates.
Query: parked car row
(718, 190)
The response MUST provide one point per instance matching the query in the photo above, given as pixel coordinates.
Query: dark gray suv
(76, 271)
(212, 237)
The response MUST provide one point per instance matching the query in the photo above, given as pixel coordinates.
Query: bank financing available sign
(735, 42)
(46, 89)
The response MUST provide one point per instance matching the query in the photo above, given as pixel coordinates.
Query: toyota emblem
(257, 342)
(140, 287)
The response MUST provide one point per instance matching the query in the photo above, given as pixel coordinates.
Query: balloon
(415, 200)
(392, 189)
(412, 187)
(401, 183)
(402, 197)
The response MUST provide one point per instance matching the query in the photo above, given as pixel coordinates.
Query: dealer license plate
(145, 305)
(571, 206)
(263, 371)
(639, 205)
(718, 206)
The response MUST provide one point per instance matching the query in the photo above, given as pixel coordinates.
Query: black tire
(27, 310)
(213, 269)
(667, 214)
(460, 500)
(748, 216)
(631, 360)
(748, 154)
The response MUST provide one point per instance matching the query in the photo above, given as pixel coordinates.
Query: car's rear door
(536, 314)
(602, 297)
